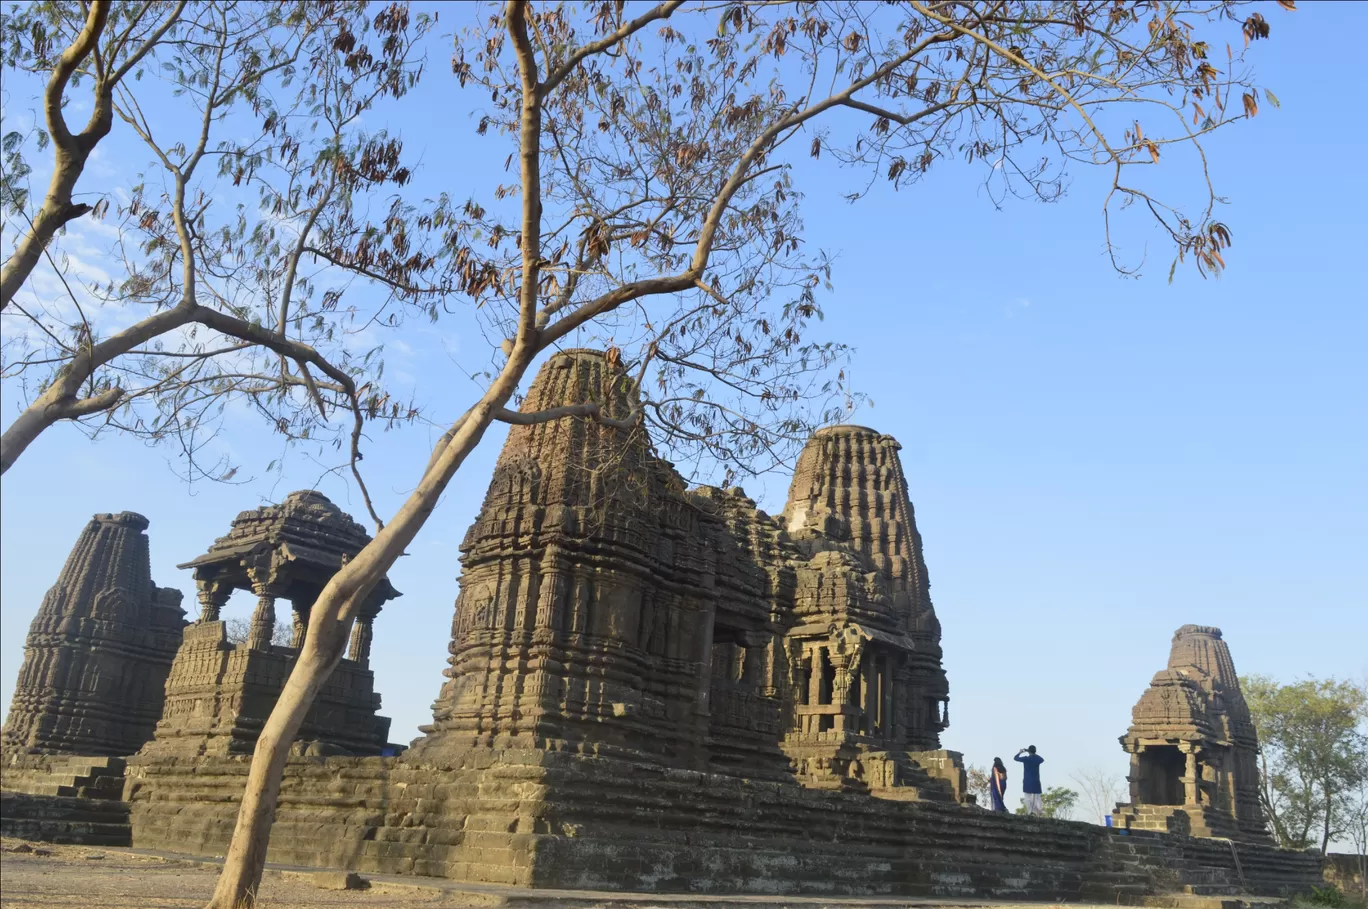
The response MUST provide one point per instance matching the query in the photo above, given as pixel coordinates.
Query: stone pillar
(815, 677)
(300, 620)
(840, 688)
(263, 620)
(1191, 780)
(212, 596)
(870, 678)
(359, 651)
(888, 678)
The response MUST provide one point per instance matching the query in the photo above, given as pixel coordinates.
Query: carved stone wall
(1193, 748)
(98, 652)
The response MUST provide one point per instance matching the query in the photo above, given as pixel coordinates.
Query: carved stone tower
(607, 610)
(98, 652)
(594, 596)
(1194, 752)
(865, 653)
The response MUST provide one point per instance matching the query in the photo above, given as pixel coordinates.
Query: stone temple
(98, 652)
(219, 694)
(607, 610)
(1192, 745)
(652, 688)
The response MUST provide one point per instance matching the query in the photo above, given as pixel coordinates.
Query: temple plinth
(1193, 747)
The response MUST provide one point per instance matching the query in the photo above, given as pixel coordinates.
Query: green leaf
(1272, 98)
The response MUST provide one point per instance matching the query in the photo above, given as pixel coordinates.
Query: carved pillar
(1191, 779)
(212, 596)
(359, 651)
(300, 621)
(840, 687)
(870, 678)
(815, 676)
(263, 619)
(888, 718)
(753, 669)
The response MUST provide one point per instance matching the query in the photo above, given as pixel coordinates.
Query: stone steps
(66, 820)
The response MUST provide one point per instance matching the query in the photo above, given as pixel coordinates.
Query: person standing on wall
(997, 785)
(1030, 780)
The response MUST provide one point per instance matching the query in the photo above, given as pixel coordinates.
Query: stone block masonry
(558, 820)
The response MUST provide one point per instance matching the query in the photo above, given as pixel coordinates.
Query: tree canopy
(1313, 736)
(650, 208)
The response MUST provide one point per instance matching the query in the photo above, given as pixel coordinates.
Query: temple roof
(306, 529)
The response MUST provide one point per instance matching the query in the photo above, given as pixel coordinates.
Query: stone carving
(1193, 748)
(98, 651)
(655, 688)
(219, 694)
(865, 647)
(606, 609)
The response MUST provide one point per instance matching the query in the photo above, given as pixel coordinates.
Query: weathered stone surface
(1193, 746)
(606, 609)
(98, 652)
(219, 694)
(555, 819)
(864, 645)
(660, 689)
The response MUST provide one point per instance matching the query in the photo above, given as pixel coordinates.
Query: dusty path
(90, 878)
(34, 875)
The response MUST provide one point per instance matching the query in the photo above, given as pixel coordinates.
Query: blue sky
(1094, 460)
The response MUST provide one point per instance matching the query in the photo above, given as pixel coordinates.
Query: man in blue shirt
(1030, 780)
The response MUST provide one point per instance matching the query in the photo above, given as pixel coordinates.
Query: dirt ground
(42, 875)
(81, 877)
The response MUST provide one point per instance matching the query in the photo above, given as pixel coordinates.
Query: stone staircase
(65, 819)
(70, 800)
(1160, 873)
(1181, 819)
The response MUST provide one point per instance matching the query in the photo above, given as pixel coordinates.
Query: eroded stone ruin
(1193, 748)
(98, 652)
(655, 688)
(219, 693)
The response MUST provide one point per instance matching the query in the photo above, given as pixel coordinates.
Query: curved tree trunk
(246, 859)
(51, 407)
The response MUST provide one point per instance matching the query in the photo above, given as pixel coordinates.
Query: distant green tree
(977, 784)
(1314, 753)
(1057, 802)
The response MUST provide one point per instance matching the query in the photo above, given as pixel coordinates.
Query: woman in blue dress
(997, 785)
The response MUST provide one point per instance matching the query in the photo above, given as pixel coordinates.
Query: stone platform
(137, 879)
(566, 821)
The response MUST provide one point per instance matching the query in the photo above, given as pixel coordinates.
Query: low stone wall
(542, 819)
(1345, 871)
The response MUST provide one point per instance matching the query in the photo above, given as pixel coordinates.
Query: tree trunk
(246, 859)
(51, 407)
(57, 210)
(330, 620)
(1329, 815)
